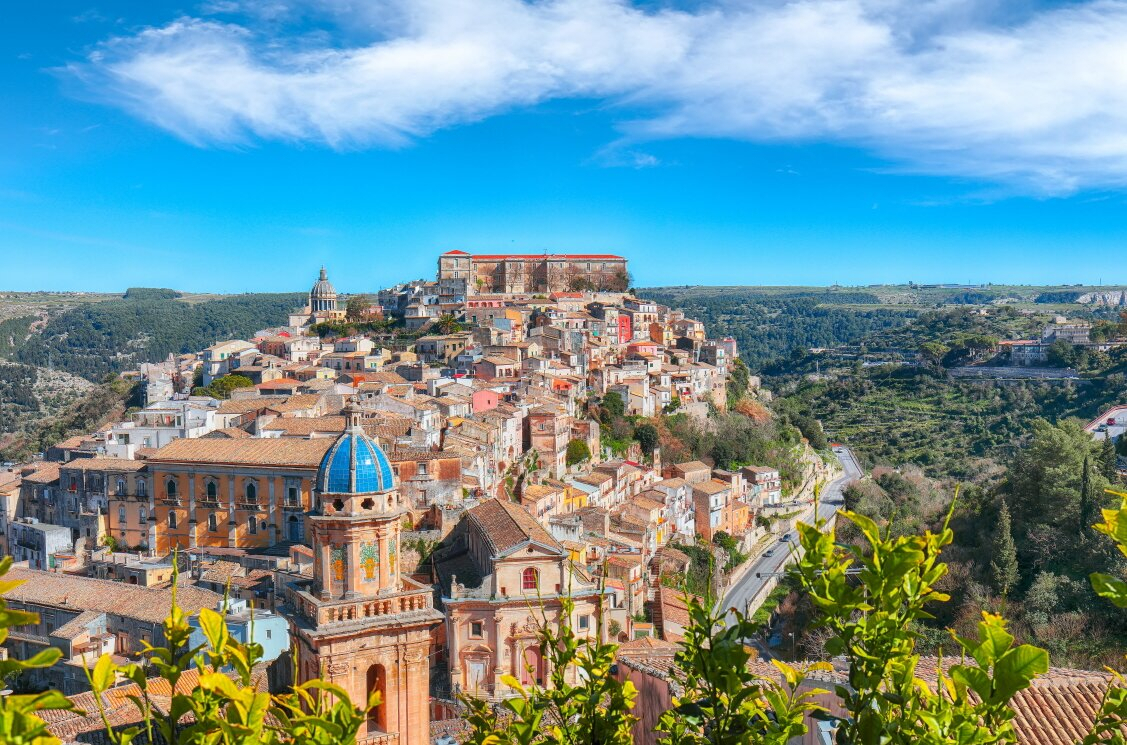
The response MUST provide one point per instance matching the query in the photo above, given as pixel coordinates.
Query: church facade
(359, 623)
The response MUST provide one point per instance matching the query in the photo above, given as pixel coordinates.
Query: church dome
(355, 464)
(323, 288)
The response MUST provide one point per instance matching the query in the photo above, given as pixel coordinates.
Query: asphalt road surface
(778, 555)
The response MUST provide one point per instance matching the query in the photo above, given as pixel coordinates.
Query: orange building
(239, 493)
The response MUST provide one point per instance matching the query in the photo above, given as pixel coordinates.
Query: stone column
(352, 569)
(501, 641)
(326, 574)
(232, 525)
(272, 509)
(193, 524)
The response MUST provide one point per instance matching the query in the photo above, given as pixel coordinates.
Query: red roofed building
(460, 273)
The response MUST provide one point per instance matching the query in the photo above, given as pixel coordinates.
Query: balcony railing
(343, 611)
(376, 737)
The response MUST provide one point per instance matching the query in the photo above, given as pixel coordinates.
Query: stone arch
(377, 681)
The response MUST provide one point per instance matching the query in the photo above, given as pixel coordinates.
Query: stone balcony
(412, 597)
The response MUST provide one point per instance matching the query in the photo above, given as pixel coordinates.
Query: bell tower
(359, 623)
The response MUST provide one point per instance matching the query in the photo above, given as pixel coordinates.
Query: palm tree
(447, 324)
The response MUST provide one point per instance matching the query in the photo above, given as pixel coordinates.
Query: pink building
(502, 575)
(485, 400)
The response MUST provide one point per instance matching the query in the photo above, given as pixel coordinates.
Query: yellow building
(233, 493)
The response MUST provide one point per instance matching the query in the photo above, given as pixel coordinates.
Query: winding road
(772, 561)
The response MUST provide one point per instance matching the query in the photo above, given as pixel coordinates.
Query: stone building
(463, 274)
(37, 543)
(241, 493)
(323, 305)
(87, 617)
(359, 622)
(502, 576)
(548, 432)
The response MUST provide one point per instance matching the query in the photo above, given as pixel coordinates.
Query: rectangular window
(477, 629)
(584, 623)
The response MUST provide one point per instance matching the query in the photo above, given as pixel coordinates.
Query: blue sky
(238, 145)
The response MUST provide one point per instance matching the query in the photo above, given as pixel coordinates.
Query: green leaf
(1016, 670)
(214, 629)
(45, 658)
(974, 678)
(1110, 588)
(102, 676)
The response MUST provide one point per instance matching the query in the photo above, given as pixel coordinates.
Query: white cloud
(1031, 98)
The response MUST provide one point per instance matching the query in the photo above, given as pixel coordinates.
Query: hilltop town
(388, 504)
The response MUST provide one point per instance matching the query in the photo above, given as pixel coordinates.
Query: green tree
(647, 437)
(739, 377)
(1088, 501)
(1044, 488)
(722, 701)
(1062, 354)
(1003, 565)
(872, 622)
(358, 308)
(1108, 465)
(612, 407)
(933, 352)
(578, 452)
(221, 388)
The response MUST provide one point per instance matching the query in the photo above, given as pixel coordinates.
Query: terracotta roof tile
(45, 473)
(276, 451)
(85, 593)
(303, 426)
(505, 525)
(103, 464)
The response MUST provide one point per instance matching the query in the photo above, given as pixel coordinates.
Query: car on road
(769, 552)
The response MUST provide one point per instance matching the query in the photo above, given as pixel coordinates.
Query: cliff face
(1110, 297)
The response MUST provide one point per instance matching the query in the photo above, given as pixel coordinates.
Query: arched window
(120, 486)
(377, 681)
(142, 488)
(252, 524)
(251, 491)
(170, 488)
(172, 520)
(212, 522)
(530, 579)
(212, 490)
(121, 515)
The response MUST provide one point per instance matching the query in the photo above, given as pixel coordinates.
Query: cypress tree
(1107, 460)
(1088, 501)
(1003, 566)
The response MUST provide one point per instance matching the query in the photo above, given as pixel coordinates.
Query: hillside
(55, 348)
(898, 414)
(770, 323)
(96, 339)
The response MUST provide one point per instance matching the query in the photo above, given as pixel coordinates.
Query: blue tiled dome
(355, 464)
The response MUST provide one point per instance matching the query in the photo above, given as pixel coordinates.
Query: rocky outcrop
(1108, 297)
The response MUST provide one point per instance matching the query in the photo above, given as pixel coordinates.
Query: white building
(161, 423)
(217, 358)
